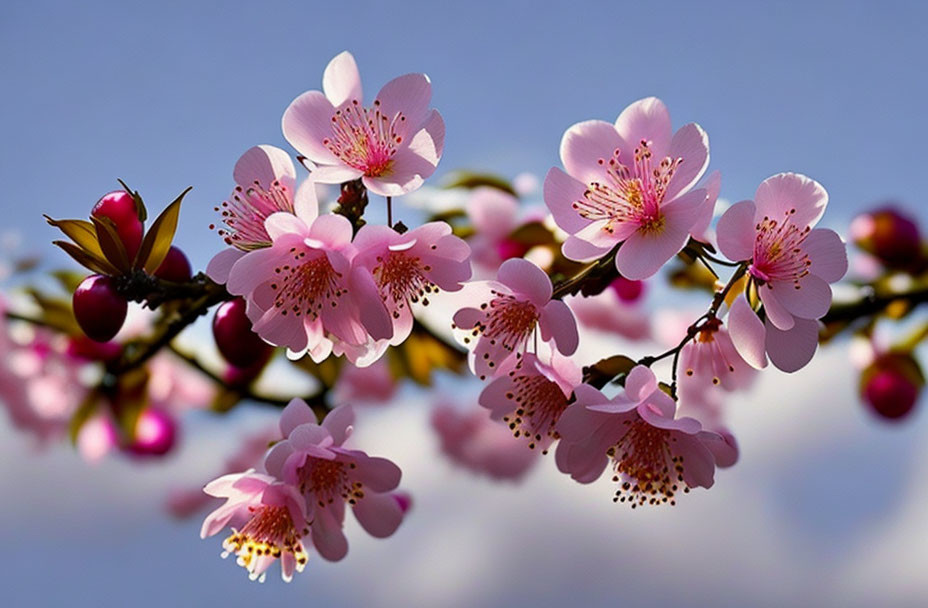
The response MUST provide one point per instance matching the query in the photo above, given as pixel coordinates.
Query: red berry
(99, 310)
(508, 248)
(119, 206)
(155, 433)
(175, 267)
(628, 290)
(232, 331)
(889, 234)
(890, 394)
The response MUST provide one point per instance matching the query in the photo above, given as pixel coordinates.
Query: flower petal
(791, 350)
(307, 121)
(328, 537)
(587, 147)
(379, 514)
(281, 223)
(691, 144)
(557, 323)
(341, 80)
(410, 95)
(526, 279)
(646, 119)
(640, 383)
(774, 309)
(747, 333)
(264, 165)
(810, 299)
(561, 191)
(828, 254)
(221, 265)
(338, 422)
(735, 231)
(296, 413)
(791, 195)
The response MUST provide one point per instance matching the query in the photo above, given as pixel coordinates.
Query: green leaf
(470, 180)
(157, 241)
(81, 232)
(111, 244)
(88, 261)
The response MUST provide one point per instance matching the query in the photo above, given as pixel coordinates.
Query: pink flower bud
(888, 234)
(155, 433)
(627, 289)
(99, 310)
(891, 385)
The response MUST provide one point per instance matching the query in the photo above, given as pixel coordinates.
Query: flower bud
(510, 248)
(628, 290)
(236, 342)
(175, 267)
(891, 385)
(889, 234)
(99, 309)
(155, 433)
(119, 206)
(82, 347)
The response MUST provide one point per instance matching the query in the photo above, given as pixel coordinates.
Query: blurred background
(826, 506)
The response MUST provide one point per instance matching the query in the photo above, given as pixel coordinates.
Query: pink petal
(276, 457)
(580, 250)
(307, 122)
(296, 413)
(251, 270)
(379, 514)
(735, 232)
(561, 191)
(643, 253)
(409, 94)
(747, 333)
(723, 446)
(281, 223)
(281, 330)
(778, 196)
(828, 254)
(305, 203)
(698, 462)
(791, 350)
(264, 165)
(335, 174)
(374, 315)
(378, 474)
(713, 185)
(221, 265)
(328, 537)
(587, 147)
(492, 212)
(557, 323)
(218, 519)
(331, 229)
(640, 383)
(691, 144)
(338, 423)
(811, 300)
(646, 119)
(341, 80)
(526, 279)
(774, 309)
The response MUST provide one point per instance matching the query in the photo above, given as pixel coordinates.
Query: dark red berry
(175, 267)
(119, 206)
(232, 331)
(628, 290)
(99, 310)
(155, 433)
(890, 235)
(890, 394)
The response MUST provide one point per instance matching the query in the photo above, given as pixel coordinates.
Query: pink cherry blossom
(514, 306)
(313, 459)
(711, 359)
(405, 269)
(531, 398)
(654, 455)
(475, 442)
(272, 516)
(375, 384)
(607, 312)
(298, 290)
(265, 184)
(393, 145)
(630, 183)
(494, 215)
(791, 265)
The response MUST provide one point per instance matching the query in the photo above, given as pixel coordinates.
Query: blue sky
(169, 94)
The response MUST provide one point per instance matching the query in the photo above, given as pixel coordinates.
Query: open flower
(654, 455)
(272, 517)
(328, 475)
(531, 398)
(711, 360)
(392, 145)
(298, 291)
(513, 307)
(407, 268)
(791, 265)
(630, 183)
(265, 184)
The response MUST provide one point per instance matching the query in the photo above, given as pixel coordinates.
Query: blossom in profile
(632, 183)
(711, 359)
(405, 269)
(265, 184)
(791, 264)
(512, 308)
(298, 291)
(268, 520)
(391, 145)
(475, 442)
(328, 475)
(531, 397)
(654, 455)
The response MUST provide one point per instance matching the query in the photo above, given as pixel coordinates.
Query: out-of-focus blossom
(609, 313)
(393, 145)
(531, 398)
(791, 266)
(494, 215)
(477, 443)
(891, 380)
(265, 184)
(175, 387)
(405, 269)
(298, 290)
(512, 308)
(654, 455)
(312, 458)
(632, 183)
(889, 234)
(365, 385)
(268, 520)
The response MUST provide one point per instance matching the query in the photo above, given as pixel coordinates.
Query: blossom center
(269, 533)
(244, 215)
(365, 138)
(328, 480)
(629, 193)
(649, 473)
(509, 321)
(305, 286)
(401, 278)
(539, 404)
(779, 254)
